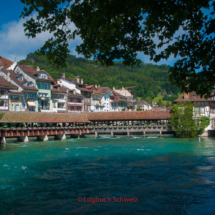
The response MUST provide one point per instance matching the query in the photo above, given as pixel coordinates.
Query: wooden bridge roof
(38, 117)
(128, 115)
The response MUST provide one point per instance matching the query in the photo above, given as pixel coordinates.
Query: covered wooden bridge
(62, 124)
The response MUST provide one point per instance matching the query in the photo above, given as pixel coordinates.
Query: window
(39, 85)
(46, 86)
(14, 97)
(30, 95)
(31, 84)
(26, 95)
(79, 100)
(212, 109)
(71, 100)
(193, 95)
(25, 84)
(20, 78)
(11, 107)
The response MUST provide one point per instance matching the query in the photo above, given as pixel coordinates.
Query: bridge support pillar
(2, 140)
(23, 139)
(96, 135)
(112, 134)
(144, 134)
(43, 138)
(160, 133)
(60, 137)
(128, 134)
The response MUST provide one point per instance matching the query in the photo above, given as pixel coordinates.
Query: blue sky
(14, 44)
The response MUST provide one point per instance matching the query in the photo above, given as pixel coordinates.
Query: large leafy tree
(185, 122)
(119, 29)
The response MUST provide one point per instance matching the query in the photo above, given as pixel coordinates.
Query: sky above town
(15, 45)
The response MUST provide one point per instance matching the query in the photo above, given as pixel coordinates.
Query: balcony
(75, 103)
(3, 108)
(61, 109)
(4, 97)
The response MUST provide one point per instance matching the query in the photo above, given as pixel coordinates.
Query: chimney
(114, 88)
(8, 77)
(123, 88)
(98, 85)
(77, 78)
(51, 86)
(82, 81)
(63, 75)
(95, 85)
(38, 69)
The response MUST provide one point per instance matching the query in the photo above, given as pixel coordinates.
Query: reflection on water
(166, 175)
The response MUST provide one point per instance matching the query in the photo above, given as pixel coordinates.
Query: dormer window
(20, 78)
(25, 84)
(58, 88)
(31, 84)
(193, 95)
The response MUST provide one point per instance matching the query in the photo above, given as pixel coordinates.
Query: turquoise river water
(108, 176)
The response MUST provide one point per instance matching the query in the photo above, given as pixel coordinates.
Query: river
(108, 176)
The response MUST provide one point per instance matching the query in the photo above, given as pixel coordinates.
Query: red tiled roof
(28, 117)
(103, 89)
(5, 62)
(193, 98)
(128, 115)
(5, 84)
(84, 89)
(15, 79)
(142, 102)
(70, 93)
(60, 90)
(30, 70)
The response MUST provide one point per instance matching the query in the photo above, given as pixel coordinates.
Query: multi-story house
(143, 105)
(58, 98)
(26, 93)
(202, 107)
(69, 83)
(5, 88)
(96, 98)
(105, 99)
(42, 81)
(118, 102)
(75, 102)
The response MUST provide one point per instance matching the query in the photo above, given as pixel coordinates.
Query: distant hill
(149, 79)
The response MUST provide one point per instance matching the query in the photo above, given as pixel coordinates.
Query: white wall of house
(68, 84)
(143, 107)
(106, 101)
(59, 103)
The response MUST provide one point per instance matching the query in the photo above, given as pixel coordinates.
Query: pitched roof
(128, 115)
(28, 117)
(30, 70)
(142, 102)
(118, 97)
(5, 84)
(20, 83)
(84, 89)
(58, 90)
(124, 92)
(103, 90)
(5, 62)
(193, 97)
(70, 93)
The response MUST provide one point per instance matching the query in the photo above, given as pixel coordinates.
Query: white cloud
(14, 43)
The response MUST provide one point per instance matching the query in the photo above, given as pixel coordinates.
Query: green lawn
(156, 99)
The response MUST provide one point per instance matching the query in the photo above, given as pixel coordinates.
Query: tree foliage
(147, 78)
(185, 123)
(112, 30)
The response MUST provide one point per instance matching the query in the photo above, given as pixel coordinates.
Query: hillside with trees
(149, 79)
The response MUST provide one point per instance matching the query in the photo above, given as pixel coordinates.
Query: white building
(144, 105)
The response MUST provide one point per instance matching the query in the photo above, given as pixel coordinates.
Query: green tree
(160, 103)
(119, 29)
(138, 108)
(185, 123)
(168, 104)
